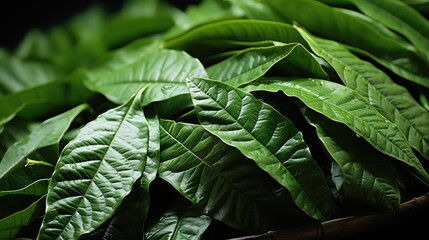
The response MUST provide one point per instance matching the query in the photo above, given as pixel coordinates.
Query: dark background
(18, 17)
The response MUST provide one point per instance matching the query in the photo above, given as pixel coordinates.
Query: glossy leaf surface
(344, 105)
(390, 99)
(219, 180)
(265, 136)
(160, 73)
(96, 171)
(293, 58)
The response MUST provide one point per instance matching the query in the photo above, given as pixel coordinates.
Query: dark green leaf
(36, 188)
(219, 180)
(265, 136)
(253, 63)
(9, 226)
(344, 105)
(390, 99)
(13, 174)
(179, 223)
(369, 176)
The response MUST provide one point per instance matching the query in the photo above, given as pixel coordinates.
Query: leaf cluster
(225, 119)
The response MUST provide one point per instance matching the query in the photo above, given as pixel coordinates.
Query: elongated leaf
(344, 26)
(9, 226)
(391, 100)
(37, 188)
(253, 63)
(15, 131)
(404, 67)
(212, 36)
(42, 98)
(265, 136)
(401, 18)
(160, 73)
(369, 176)
(13, 175)
(220, 181)
(344, 105)
(96, 171)
(16, 75)
(179, 223)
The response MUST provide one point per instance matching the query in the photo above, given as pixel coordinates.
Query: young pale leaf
(390, 99)
(179, 223)
(369, 176)
(160, 73)
(96, 171)
(253, 63)
(36, 188)
(217, 179)
(344, 105)
(265, 136)
(10, 225)
(12, 172)
(401, 18)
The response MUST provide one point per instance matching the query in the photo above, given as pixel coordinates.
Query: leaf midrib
(96, 172)
(359, 119)
(296, 182)
(211, 167)
(356, 73)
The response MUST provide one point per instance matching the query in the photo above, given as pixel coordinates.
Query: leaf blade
(220, 109)
(98, 168)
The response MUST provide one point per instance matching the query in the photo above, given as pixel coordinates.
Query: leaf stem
(31, 162)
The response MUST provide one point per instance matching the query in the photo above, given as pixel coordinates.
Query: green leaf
(40, 99)
(212, 36)
(369, 176)
(17, 75)
(219, 180)
(160, 73)
(344, 26)
(401, 18)
(36, 188)
(96, 171)
(12, 171)
(179, 223)
(265, 136)
(9, 226)
(253, 63)
(344, 105)
(390, 99)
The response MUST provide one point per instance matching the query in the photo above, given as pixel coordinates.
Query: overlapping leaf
(13, 175)
(96, 171)
(9, 226)
(219, 180)
(253, 63)
(160, 73)
(368, 176)
(216, 37)
(179, 223)
(344, 105)
(401, 18)
(389, 98)
(345, 26)
(267, 137)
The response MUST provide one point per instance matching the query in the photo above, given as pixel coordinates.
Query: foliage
(226, 119)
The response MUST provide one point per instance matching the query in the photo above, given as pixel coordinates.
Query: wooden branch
(347, 226)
